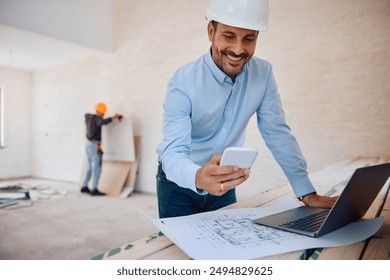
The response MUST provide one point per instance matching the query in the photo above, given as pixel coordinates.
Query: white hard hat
(248, 14)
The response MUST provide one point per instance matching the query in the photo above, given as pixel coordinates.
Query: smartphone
(242, 157)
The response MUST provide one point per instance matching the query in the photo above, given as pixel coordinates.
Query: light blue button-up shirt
(205, 112)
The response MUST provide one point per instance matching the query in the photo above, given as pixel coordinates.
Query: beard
(230, 63)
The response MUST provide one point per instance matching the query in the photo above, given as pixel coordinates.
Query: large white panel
(118, 140)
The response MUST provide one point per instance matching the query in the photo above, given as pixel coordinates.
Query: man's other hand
(315, 200)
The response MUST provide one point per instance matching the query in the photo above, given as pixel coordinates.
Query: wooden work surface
(158, 247)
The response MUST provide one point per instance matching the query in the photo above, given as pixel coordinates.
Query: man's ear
(210, 31)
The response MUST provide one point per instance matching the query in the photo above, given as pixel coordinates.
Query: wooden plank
(139, 249)
(130, 182)
(287, 256)
(351, 252)
(386, 206)
(170, 253)
(378, 247)
(129, 185)
(113, 177)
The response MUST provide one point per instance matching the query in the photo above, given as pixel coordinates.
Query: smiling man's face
(231, 47)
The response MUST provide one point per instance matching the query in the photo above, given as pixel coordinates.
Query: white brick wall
(331, 60)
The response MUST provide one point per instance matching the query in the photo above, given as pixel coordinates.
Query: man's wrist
(300, 198)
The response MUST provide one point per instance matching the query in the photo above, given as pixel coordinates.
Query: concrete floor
(60, 223)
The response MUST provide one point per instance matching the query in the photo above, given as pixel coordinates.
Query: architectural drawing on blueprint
(226, 230)
(239, 231)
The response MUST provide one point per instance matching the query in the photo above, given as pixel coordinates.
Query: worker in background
(208, 105)
(94, 147)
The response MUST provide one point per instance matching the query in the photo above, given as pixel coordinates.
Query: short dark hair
(215, 24)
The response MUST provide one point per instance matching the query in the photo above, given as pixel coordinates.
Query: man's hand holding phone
(227, 171)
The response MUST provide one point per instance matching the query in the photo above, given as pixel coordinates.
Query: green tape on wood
(98, 257)
(306, 254)
(154, 236)
(316, 254)
(129, 246)
(114, 252)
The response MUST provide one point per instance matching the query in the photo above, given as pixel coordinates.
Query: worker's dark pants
(174, 200)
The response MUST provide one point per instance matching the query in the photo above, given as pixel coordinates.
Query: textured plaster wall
(331, 60)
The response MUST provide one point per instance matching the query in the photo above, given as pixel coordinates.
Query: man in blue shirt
(207, 108)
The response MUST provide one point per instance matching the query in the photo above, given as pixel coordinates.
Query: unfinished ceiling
(40, 33)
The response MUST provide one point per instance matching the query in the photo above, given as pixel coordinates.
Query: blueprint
(232, 231)
(231, 234)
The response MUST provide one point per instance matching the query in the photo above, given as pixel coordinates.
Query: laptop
(352, 204)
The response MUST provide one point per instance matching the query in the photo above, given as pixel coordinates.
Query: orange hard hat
(101, 108)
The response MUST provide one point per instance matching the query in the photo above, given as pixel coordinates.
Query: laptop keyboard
(309, 223)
